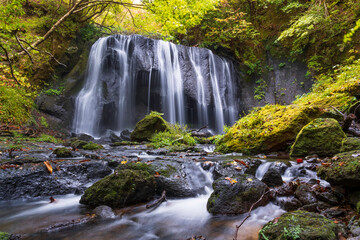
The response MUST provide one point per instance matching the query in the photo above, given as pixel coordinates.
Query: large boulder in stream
(148, 126)
(343, 169)
(120, 189)
(322, 136)
(236, 195)
(299, 225)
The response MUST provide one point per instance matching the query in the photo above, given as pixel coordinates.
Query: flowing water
(174, 219)
(128, 76)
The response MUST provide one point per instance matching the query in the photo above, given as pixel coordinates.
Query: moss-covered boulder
(148, 126)
(343, 169)
(77, 144)
(92, 146)
(169, 177)
(300, 225)
(350, 144)
(123, 188)
(236, 195)
(62, 152)
(269, 128)
(322, 136)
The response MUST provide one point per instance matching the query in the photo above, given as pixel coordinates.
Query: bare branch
(10, 64)
(249, 214)
(52, 56)
(24, 49)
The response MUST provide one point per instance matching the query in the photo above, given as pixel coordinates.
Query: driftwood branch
(158, 202)
(201, 128)
(10, 64)
(249, 214)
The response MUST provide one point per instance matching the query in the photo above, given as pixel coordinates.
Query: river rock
(104, 212)
(34, 180)
(289, 203)
(148, 126)
(279, 166)
(170, 177)
(350, 144)
(125, 135)
(305, 195)
(322, 136)
(272, 178)
(62, 152)
(230, 197)
(120, 189)
(343, 170)
(299, 225)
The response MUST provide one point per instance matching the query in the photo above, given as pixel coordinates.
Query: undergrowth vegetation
(176, 136)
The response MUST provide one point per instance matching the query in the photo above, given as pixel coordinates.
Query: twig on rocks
(249, 214)
(158, 202)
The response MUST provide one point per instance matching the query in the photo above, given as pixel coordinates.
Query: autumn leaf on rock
(157, 174)
(238, 168)
(241, 162)
(250, 179)
(231, 180)
(326, 164)
(124, 162)
(48, 166)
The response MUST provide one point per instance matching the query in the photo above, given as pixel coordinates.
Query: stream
(175, 219)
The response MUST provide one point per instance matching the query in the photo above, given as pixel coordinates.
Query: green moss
(77, 144)
(299, 225)
(148, 126)
(4, 236)
(124, 143)
(176, 139)
(92, 146)
(62, 152)
(322, 136)
(343, 169)
(350, 144)
(121, 189)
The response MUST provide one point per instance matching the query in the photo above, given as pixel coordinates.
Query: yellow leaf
(249, 179)
(48, 166)
(124, 162)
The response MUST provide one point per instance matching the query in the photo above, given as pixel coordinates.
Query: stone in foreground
(236, 195)
(299, 225)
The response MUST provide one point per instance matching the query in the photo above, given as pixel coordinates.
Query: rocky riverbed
(207, 193)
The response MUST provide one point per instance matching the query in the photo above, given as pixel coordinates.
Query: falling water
(129, 76)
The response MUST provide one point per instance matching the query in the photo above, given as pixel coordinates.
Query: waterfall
(129, 76)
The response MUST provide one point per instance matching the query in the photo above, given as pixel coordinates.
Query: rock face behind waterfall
(128, 76)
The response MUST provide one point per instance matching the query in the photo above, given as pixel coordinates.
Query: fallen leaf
(124, 162)
(249, 179)
(341, 164)
(238, 168)
(48, 166)
(231, 180)
(335, 158)
(52, 199)
(325, 164)
(157, 174)
(241, 162)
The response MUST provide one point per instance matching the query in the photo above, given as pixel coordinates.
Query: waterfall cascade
(129, 76)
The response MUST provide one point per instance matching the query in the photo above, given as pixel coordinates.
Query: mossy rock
(299, 225)
(4, 236)
(62, 152)
(78, 144)
(350, 144)
(148, 126)
(322, 136)
(123, 188)
(123, 143)
(236, 195)
(343, 169)
(269, 128)
(92, 146)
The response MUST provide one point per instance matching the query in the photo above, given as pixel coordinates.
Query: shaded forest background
(35, 36)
